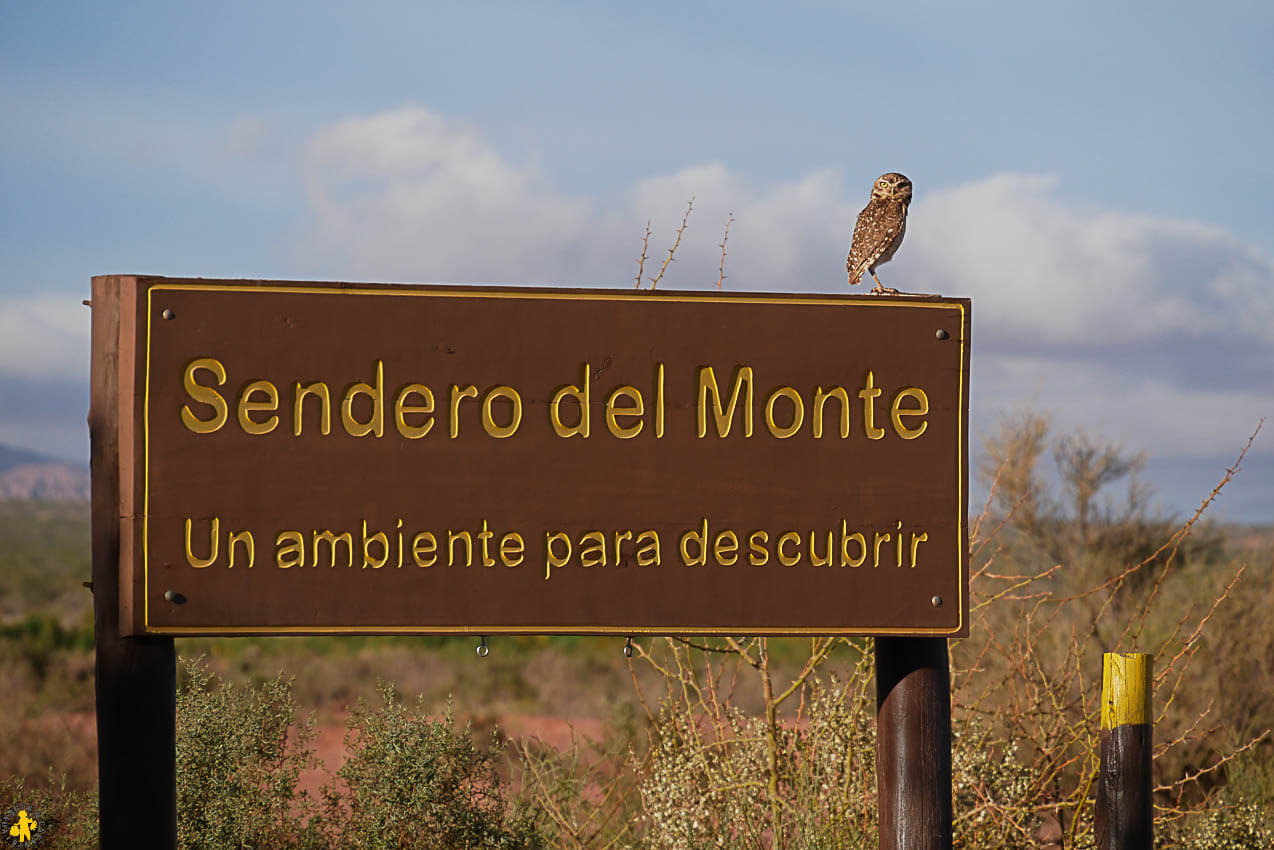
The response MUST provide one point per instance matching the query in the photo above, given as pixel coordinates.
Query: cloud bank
(1152, 331)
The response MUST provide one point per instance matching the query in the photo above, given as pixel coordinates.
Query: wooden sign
(341, 458)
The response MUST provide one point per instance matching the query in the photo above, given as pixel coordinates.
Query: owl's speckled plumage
(880, 228)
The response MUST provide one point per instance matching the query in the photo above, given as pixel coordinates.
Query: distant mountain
(11, 457)
(29, 475)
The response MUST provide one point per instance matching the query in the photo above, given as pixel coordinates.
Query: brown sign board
(389, 459)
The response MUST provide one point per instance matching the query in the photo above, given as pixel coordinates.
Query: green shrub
(239, 754)
(413, 781)
(409, 781)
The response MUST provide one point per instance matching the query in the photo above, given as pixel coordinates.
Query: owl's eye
(884, 183)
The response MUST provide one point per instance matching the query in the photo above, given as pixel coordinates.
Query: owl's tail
(855, 275)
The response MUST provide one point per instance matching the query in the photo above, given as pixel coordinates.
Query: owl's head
(892, 186)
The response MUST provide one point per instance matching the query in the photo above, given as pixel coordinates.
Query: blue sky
(1095, 176)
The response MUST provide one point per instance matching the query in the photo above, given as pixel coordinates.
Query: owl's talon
(880, 288)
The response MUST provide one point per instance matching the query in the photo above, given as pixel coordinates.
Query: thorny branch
(654, 281)
(725, 237)
(641, 262)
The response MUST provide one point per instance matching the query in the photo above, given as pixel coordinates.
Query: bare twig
(725, 237)
(641, 262)
(654, 281)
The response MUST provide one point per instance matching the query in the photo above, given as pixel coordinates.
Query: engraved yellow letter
(624, 432)
(247, 407)
(402, 409)
(868, 394)
(318, 388)
(820, 399)
(798, 412)
(375, 425)
(724, 417)
(897, 412)
(488, 420)
(213, 538)
(582, 396)
(207, 395)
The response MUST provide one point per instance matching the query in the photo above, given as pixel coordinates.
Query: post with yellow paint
(1125, 807)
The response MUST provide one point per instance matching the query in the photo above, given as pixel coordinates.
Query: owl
(880, 229)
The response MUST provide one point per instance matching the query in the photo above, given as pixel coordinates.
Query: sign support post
(135, 676)
(913, 743)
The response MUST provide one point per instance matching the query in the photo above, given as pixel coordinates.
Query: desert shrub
(720, 777)
(239, 754)
(1241, 815)
(410, 780)
(1242, 826)
(716, 776)
(583, 795)
(1061, 575)
(414, 781)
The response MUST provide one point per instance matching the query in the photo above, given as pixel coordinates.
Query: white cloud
(1045, 272)
(1175, 419)
(409, 194)
(44, 337)
(1156, 332)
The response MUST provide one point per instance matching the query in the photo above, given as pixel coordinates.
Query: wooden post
(913, 743)
(135, 676)
(1125, 807)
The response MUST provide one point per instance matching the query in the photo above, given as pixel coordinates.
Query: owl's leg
(879, 288)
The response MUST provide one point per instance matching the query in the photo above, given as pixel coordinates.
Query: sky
(1096, 177)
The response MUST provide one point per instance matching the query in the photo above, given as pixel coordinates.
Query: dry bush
(1128, 582)
(800, 772)
(585, 795)
(742, 753)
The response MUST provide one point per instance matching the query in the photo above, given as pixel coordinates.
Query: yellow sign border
(499, 293)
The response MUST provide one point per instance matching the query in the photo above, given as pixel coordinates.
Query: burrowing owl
(880, 228)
